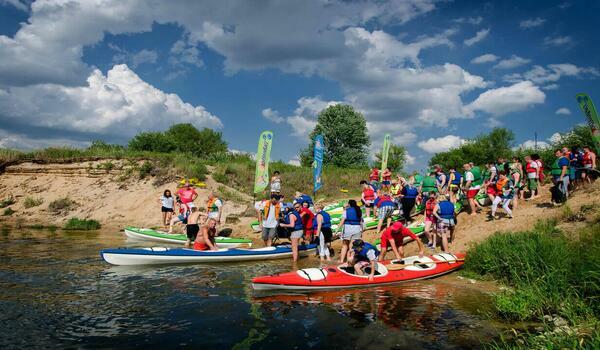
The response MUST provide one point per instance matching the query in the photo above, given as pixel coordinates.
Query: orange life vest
(500, 184)
(268, 208)
(587, 158)
(210, 205)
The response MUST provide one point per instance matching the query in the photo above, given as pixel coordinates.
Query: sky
(430, 73)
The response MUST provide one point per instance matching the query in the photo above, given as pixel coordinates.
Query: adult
(455, 181)
(268, 218)
(531, 169)
(490, 175)
(560, 176)
(429, 186)
(374, 178)
(214, 208)
(365, 258)
(302, 198)
(446, 221)
(505, 194)
(430, 221)
(275, 184)
(516, 177)
(396, 189)
(368, 196)
(187, 194)
(322, 229)
(293, 221)
(541, 176)
(206, 237)
(385, 210)
(307, 221)
(417, 181)
(167, 203)
(575, 166)
(191, 227)
(184, 212)
(386, 179)
(352, 225)
(441, 180)
(589, 164)
(473, 181)
(408, 200)
(393, 237)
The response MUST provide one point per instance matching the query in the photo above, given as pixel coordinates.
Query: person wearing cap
(363, 255)
(393, 237)
(187, 194)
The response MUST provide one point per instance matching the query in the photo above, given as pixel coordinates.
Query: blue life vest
(446, 210)
(326, 220)
(457, 178)
(304, 199)
(351, 217)
(362, 254)
(410, 192)
(384, 201)
(438, 177)
(298, 226)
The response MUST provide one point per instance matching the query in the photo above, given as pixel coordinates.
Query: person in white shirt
(268, 218)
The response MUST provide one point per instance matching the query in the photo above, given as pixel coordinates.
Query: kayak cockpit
(380, 271)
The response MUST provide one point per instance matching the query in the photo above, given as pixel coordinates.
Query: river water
(56, 292)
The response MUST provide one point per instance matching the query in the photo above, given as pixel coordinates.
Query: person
(293, 221)
(408, 200)
(417, 181)
(393, 236)
(368, 196)
(489, 179)
(385, 210)
(386, 179)
(501, 164)
(531, 169)
(268, 218)
(364, 256)
(575, 166)
(187, 194)
(352, 225)
(473, 181)
(167, 203)
(184, 212)
(429, 186)
(300, 198)
(441, 180)
(430, 221)
(456, 183)
(374, 178)
(516, 179)
(191, 226)
(275, 184)
(307, 221)
(214, 208)
(206, 238)
(505, 193)
(395, 190)
(322, 229)
(446, 221)
(588, 160)
(541, 176)
(560, 176)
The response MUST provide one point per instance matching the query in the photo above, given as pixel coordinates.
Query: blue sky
(431, 73)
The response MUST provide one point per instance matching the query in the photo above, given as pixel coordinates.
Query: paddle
(395, 267)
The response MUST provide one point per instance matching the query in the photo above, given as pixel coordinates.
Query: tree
(345, 135)
(396, 158)
(151, 141)
(199, 142)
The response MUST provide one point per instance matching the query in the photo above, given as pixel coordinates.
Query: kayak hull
(334, 277)
(162, 256)
(163, 237)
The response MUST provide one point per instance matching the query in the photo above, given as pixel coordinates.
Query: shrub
(145, 169)
(6, 202)
(8, 212)
(81, 224)
(61, 205)
(31, 202)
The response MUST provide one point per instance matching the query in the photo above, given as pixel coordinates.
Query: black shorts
(166, 210)
(192, 231)
(327, 234)
(367, 205)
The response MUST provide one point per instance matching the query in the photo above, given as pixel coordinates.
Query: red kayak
(336, 277)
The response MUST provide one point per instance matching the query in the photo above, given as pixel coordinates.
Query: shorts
(309, 232)
(200, 246)
(445, 225)
(385, 212)
(352, 232)
(430, 218)
(182, 218)
(386, 182)
(268, 233)
(327, 234)
(532, 184)
(367, 204)
(491, 189)
(166, 210)
(297, 234)
(192, 231)
(472, 193)
(189, 204)
(454, 188)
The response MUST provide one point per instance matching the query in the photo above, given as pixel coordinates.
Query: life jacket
(298, 223)
(446, 179)
(587, 158)
(384, 201)
(304, 199)
(352, 217)
(369, 193)
(387, 178)
(395, 189)
(529, 168)
(429, 184)
(418, 180)
(210, 205)
(477, 179)
(457, 178)
(268, 208)
(446, 210)
(362, 253)
(500, 184)
(556, 169)
(410, 191)
(326, 220)
(429, 205)
(374, 176)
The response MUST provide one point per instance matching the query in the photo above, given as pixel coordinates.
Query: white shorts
(352, 232)
(297, 234)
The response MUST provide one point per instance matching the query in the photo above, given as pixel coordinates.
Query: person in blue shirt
(560, 172)
(300, 198)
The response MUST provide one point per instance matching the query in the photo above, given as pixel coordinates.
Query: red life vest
(369, 193)
(529, 168)
(374, 175)
(587, 158)
(429, 206)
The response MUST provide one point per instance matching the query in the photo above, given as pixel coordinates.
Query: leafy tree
(396, 158)
(152, 141)
(199, 142)
(345, 135)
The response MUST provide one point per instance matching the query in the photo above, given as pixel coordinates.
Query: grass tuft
(81, 224)
(8, 212)
(6, 202)
(61, 205)
(31, 202)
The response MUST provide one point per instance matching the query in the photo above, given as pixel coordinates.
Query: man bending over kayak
(394, 236)
(362, 256)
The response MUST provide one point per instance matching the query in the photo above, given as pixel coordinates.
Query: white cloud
(20, 5)
(24, 142)
(555, 138)
(507, 99)
(558, 40)
(294, 161)
(532, 22)
(301, 126)
(119, 103)
(182, 52)
(441, 144)
(469, 20)
(272, 115)
(552, 73)
(513, 62)
(486, 58)
(133, 59)
(482, 34)
(531, 144)
(563, 111)
(410, 160)
(551, 87)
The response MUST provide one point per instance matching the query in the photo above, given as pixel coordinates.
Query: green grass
(81, 224)
(6, 202)
(8, 212)
(31, 202)
(61, 205)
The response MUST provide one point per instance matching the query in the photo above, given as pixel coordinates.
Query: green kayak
(417, 229)
(161, 236)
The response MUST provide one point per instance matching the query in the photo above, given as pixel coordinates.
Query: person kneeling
(363, 255)
(394, 236)
(206, 237)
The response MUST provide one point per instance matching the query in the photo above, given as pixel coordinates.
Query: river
(56, 292)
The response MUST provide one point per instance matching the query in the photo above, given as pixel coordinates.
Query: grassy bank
(551, 277)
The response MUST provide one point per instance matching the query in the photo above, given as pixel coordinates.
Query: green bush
(6, 202)
(145, 169)
(61, 205)
(31, 202)
(8, 212)
(79, 224)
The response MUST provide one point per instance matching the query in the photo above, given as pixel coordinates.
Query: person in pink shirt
(187, 194)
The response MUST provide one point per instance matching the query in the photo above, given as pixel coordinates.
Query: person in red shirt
(307, 221)
(394, 236)
(187, 194)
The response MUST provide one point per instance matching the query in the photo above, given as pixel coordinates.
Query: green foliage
(8, 212)
(145, 169)
(6, 202)
(396, 158)
(31, 202)
(81, 224)
(198, 142)
(345, 135)
(152, 141)
(61, 205)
